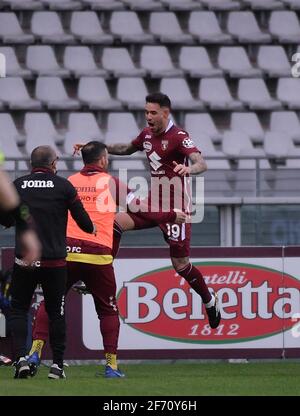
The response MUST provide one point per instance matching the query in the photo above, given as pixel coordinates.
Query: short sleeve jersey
(174, 144)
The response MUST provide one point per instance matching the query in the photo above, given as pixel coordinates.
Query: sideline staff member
(49, 198)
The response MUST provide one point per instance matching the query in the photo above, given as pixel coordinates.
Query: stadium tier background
(77, 70)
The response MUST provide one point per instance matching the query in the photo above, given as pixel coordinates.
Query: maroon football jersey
(172, 145)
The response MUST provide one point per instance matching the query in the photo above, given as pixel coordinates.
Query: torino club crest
(164, 144)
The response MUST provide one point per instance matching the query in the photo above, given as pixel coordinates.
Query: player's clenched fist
(181, 217)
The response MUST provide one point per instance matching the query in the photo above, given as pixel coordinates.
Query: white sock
(211, 302)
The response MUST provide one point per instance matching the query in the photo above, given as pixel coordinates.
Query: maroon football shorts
(177, 236)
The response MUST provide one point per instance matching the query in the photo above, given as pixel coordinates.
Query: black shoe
(56, 372)
(214, 314)
(34, 362)
(22, 368)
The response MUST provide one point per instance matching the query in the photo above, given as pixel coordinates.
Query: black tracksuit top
(49, 197)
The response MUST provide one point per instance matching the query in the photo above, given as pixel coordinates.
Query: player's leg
(40, 330)
(178, 237)
(123, 222)
(195, 279)
(126, 222)
(100, 281)
(53, 281)
(22, 288)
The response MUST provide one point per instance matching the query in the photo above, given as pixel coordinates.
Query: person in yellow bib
(90, 257)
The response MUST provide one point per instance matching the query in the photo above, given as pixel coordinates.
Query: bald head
(42, 157)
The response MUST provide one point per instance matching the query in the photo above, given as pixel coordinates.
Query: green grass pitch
(178, 379)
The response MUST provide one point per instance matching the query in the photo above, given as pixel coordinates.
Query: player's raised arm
(9, 197)
(114, 149)
(121, 149)
(198, 165)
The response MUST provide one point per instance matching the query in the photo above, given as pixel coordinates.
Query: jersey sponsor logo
(155, 161)
(164, 144)
(37, 184)
(148, 136)
(188, 143)
(147, 146)
(85, 188)
(158, 172)
(181, 132)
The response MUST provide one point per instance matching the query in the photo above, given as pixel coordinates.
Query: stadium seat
(201, 123)
(237, 143)
(41, 124)
(196, 62)
(84, 126)
(278, 145)
(285, 27)
(205, 27)
(293, 4)
(34, 139)
(11, 31)
(248, 123)
(143, 4)
(177, 5)
(215, 93)
(13, 92)
(288, 91)
(86, 26)
(255, 94)
(286, 122)
(221, 5)
(23, 4)
(273, 61)
(47, 27)
(11, 151)
(72, 138)
(80, 61)
(120, 127)
(244, 27)
(42, 61)
(264, 4)
(126, 26)
(93, 92)
(108, 5)
(132, 92)
(205, 145)
(51, 91)
(13, 67)
(157, 61)
(178, 90)
(9, 129)
(235, 61)
(118, 62)
(166, 27)
(62, 4)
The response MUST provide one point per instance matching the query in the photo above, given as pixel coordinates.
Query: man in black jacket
(49, 197)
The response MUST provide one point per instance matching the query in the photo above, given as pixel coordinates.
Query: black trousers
(53, 282)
